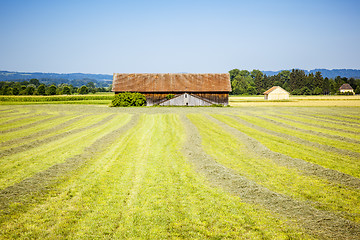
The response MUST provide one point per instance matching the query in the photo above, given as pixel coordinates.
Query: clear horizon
(178, 36)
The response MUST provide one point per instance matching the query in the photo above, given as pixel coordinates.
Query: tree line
(297, 82)
(35, 87)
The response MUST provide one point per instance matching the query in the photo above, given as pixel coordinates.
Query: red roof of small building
(346, 86)
(171, 82)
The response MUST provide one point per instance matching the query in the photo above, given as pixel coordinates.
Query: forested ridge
(243, 82)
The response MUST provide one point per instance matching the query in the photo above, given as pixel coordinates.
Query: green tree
(233, 73)
(52, 90)
(41, 89)
(357, 90)
(326, 86)
(297, 79)
(35, 82)
(318, 80)
(83, 90)
(30, 90)
(90, 85)
(16, 90)
(317, 91)
(66, 90)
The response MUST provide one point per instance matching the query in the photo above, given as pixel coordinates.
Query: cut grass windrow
(293, 149)
(26, 122)
(142, 187)
(337, 119)
(291, 182)
(41, 157)
(321, 131)
(65, 130)
(21, 136)
(298, 135)
(234, 182)
(338, 126)
(23, 195)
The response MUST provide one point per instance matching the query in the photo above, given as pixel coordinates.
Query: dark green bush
(128, 99)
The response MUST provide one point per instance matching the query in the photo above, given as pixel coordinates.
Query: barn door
(186, 99)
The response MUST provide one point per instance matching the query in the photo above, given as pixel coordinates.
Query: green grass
(293, 149)
(138, 184)
(142, 187)
(24, 164)
(318, 129)
(229, 151)
(298, 133)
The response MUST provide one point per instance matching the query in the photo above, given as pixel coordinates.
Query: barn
(176, 89)
(276, 93)
(346, 88)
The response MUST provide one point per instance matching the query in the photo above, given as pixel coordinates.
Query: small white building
(346, 88)
(276, 93)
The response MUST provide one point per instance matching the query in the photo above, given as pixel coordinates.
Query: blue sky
(178, 36)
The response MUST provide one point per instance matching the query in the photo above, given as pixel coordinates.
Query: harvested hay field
(298, 101)
(90, 172)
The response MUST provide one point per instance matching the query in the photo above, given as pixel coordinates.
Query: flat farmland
(251, 172)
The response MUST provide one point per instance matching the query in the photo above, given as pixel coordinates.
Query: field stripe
(142, 187)
(40, 183)
(312, 219)
(324, 132)
(330, 160)
(39, 130)
(337, 125)
(336, 119)
(37, 159)
(320, 125)
(236, 154)
(4, 116)
(64, 132)
(305, 167)
(296, 135)
(30, 122)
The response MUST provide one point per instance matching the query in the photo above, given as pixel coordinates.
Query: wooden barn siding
(219, 98)
(216, 97)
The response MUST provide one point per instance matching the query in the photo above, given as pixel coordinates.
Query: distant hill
(104, 80)
(76, 79)
(348, 73)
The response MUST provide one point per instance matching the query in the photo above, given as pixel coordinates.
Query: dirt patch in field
(322, 224)
(39, 142)
(26, 193)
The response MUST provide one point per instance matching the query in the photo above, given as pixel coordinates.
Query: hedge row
(53, 98)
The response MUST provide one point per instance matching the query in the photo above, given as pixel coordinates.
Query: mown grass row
(28, 162)
(141, 186)
(300, 134)
(231, 152)
(314, 126)
(12, 136)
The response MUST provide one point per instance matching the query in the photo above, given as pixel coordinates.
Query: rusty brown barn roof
(346, 86)
(171, 82)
